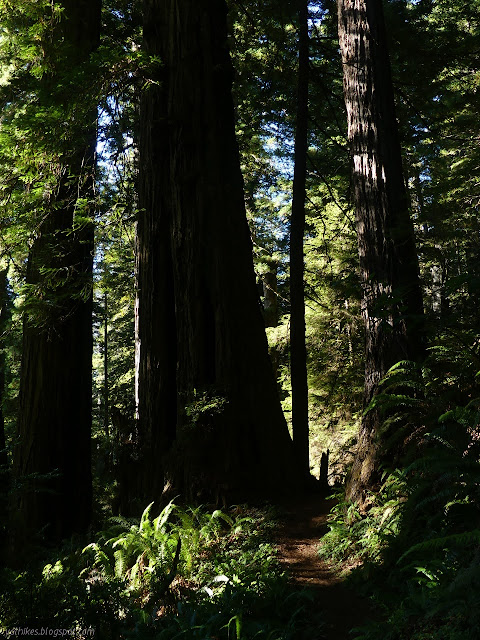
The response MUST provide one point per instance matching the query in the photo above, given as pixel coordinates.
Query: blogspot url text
(47, 632)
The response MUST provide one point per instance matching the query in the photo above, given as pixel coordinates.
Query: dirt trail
(303, 523)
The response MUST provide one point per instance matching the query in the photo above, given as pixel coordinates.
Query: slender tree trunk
(106, 399)
(392, 299)
(54, 424)
(298, 351)
(3, 443)
(206, 323)
(3, 328)
(270, 305)
(4, 466)
(270, 310)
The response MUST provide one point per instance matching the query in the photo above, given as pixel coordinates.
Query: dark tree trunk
(155, 323)
(106, 398)
(298, 351)
(270, 295)
(199, 290)
(4, 466)
(3, 443)
(392, 298)
(3, 328)
(270, 310)
(54, 424)
(323, 476)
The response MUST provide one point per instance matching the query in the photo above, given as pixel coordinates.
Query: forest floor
(335, 606)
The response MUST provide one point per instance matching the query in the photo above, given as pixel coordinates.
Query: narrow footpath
(338, 607)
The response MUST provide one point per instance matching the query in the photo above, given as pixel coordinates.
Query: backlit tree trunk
(54, 424)
(229, 431)
(392, 299)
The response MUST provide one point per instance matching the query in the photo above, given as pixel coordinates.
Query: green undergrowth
(418, 537)
(356, 537)
(186, 573)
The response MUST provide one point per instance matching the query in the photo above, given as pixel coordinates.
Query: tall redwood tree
(392, 298)
(298, 349)
(208, 405)
(52, 458)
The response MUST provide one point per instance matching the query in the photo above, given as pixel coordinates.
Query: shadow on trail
(303, 523)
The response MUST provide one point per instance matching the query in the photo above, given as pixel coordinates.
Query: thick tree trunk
(392, 298)
(156, 349)
(298, 351)
(52, 459)
(200, 293)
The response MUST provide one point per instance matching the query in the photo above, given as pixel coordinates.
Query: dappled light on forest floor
(303, 523)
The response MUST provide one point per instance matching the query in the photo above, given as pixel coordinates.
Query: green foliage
(143, 557)
(419, 535)
(203, 405)
(358, 537)
(186, 573)
(432, 46)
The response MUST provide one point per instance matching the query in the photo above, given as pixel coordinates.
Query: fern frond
(120, 563)
(161, 520)
(145, 524)
(437, 544)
